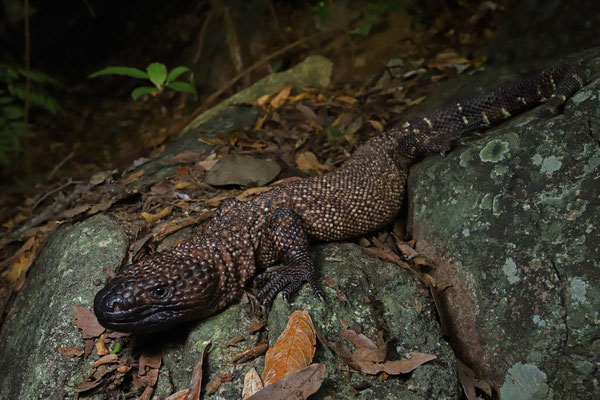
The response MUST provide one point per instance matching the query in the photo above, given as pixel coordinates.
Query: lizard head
(158, 292)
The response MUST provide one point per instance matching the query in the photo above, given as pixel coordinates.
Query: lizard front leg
(285, 240)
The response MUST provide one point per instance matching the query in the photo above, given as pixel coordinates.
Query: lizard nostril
(114, 302)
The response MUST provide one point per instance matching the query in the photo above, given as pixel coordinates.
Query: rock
(512, 219)
(242, 170)
(41, 319)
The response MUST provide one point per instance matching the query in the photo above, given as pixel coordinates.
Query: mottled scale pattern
(201, 276)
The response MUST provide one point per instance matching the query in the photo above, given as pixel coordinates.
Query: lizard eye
(159, 292)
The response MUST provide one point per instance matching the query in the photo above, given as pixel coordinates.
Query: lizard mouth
(148, 318)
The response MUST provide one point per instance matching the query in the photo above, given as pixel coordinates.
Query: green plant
(157, 74)
(13, 95)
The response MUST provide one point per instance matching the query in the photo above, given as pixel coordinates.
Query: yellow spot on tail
(505, 113)
(465, 120)
(485, 118)
(459, 106)
(578, 79)
(428, 122)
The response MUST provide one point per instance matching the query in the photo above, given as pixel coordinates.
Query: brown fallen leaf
(180, 395)
(469, 382)
(308, 161)
(215, 382)
(293, 350)
(152, 360)
(296, 386)
(85, 320)
(101, 349)
(235, 340)
(333, 284)
(257, 326)
(132, 178)
(107, 359)
(71, 212)
(196, 382)
(187, 157)
(147, 394)
(251, 353)
(395, 367)
(358, 340)
(251, 192)
(70, 351)
(252, 384)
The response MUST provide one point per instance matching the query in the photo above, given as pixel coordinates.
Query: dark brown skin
(202, 276)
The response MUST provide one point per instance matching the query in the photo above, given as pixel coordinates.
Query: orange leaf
(132, 178)
(294, 349)
(17, 272)
(281, 97)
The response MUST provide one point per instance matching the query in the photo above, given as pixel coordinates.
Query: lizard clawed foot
(286, 280)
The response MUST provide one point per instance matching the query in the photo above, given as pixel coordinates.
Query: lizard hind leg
(285, 241)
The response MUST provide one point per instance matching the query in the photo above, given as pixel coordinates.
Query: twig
(61, 187)
(60, 164)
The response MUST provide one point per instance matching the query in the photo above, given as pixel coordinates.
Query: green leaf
(334, 133)
(6, 100)
(182, 87)
(127, 71)
(362, 30)
(157, 73)
(38, 76)
(142, 90)
(12, 112)
(175, 72)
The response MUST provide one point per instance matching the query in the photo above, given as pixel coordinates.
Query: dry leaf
(187, 157)
(251, 353)
(260, 122)
(18, 271)
(70, 213)
(196, 382)
(180, 395)
(294, 349)
(395, 367)
(296, 386)
(151, 360)
(101, 349)
(107, 359)
(252, 384)
(308, 161)
(347, 99)
(132, 178)
(154, 217)
(377, 125)
(281, 97)
(469, 382)
(70, 351)
(87, 322)
(246, 194)
(358, 340)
